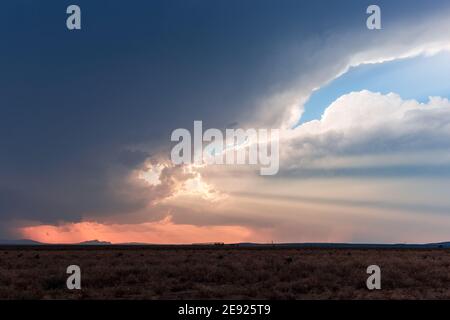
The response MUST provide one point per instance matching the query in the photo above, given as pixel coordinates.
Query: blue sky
(412, 78)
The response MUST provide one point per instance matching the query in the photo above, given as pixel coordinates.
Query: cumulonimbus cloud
(68, 162)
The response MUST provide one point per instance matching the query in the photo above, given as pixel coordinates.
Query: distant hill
(94, 243)
(27, 242)
(20, 242)
(442, 244)
(439, 245)
(348, 245)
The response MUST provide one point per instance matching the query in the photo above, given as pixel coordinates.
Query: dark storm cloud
(73, 104)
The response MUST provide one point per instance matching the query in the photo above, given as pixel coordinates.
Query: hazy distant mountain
(94, 243)
(442, 244)
(331, 245)
(439, 245)
(20, 242)
(27, 242)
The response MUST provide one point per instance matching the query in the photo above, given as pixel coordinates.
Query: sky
(416, 78)
(86, 118)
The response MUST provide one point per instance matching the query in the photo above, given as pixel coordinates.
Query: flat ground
(222, 273)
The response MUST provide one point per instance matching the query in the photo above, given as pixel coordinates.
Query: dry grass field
(210, 273)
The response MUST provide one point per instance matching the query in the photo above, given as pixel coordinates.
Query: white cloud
(367, 110)
(367, 124)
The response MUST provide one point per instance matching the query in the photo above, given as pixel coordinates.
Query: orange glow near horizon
(158, 232)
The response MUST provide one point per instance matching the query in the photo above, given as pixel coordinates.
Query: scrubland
(190, 273)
